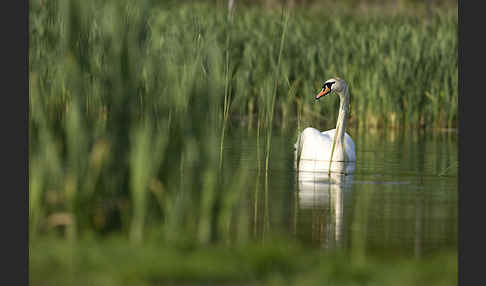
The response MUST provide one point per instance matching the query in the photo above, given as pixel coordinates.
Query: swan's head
(334, 84)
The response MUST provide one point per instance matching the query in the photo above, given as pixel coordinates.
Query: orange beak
(323, 92)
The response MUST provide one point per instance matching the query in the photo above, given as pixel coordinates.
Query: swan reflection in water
(322, 194)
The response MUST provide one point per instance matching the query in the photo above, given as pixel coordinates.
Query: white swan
(331, 150)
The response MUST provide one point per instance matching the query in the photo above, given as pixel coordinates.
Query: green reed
(129, 102)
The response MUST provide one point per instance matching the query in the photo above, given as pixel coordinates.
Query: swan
(331, 150)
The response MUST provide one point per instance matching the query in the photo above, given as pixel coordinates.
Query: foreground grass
(116, 262)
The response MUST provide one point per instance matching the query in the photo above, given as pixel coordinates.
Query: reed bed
(130, 101)
(137, 92)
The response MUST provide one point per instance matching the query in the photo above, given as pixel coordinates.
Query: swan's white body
(331, 150)
(317, 145)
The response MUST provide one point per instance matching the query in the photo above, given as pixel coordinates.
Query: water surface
(401, 199)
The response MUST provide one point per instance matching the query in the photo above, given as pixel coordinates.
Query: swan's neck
(341, 126)
(343, 114)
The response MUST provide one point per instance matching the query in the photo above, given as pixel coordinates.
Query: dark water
(401, 199)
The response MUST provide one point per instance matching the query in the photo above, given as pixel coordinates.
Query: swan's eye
(328, 84)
